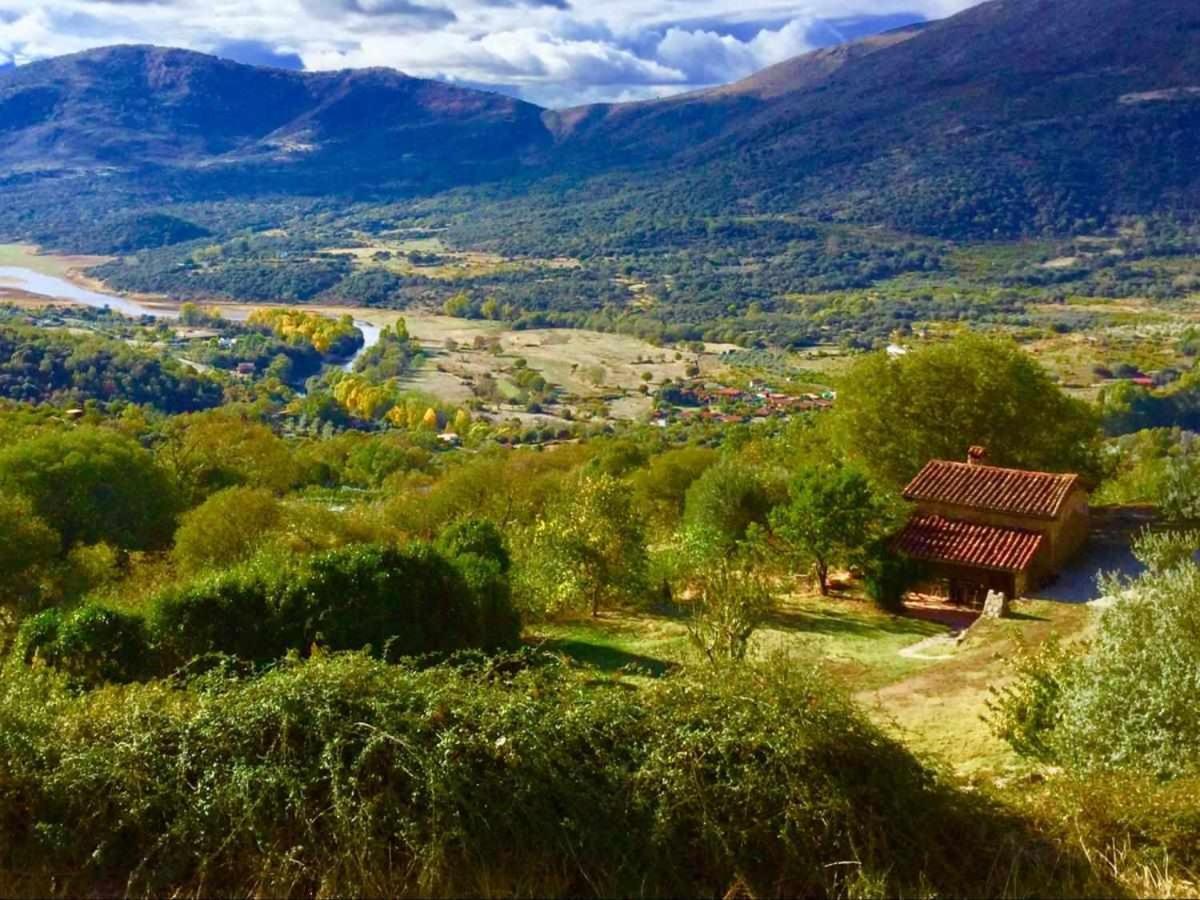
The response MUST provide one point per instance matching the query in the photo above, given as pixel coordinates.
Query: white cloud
(557, 52)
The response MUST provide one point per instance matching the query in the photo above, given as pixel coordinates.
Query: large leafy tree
(92, 486)
(226, 528)
(663, 484)
(894, 415)
(212, 451)
(587, 549)
(832, 517)
(727, 499)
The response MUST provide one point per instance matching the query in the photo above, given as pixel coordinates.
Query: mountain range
(1014, 117)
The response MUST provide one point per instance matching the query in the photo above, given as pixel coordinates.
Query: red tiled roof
(938, 539)
(1017, 491)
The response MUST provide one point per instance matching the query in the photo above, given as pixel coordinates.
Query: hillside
(1015, 117)
(155, 113)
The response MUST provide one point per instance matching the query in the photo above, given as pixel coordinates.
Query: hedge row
(396, 602)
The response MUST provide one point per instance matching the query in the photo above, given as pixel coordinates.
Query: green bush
(341, 775)
(478, 537)
(397, 602)
(888, 576)
(91, 643)
(1130, 699)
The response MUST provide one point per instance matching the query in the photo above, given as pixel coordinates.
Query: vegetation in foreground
(506, 776)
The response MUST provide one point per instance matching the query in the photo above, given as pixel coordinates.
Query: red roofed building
(983, 528)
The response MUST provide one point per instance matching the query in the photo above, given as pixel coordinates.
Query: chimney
(976, 456)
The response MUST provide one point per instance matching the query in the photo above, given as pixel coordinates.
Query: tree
(664, 483)
(831, 517)
(730, 603)
(458, 306)
(727, 498)
(92, 486)
(894, 415)
(587, 549)
(212, 451)
(226, 528)
(727, 598)
(27, 550)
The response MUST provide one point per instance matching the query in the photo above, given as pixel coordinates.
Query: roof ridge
(967, 465)
(1001, 489)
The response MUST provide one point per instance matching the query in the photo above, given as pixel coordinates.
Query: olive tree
(586, 550)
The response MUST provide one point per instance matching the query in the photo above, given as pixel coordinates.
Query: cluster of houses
(718, 403)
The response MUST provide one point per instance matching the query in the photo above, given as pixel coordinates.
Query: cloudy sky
(554, 52)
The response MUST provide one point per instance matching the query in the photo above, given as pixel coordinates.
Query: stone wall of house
(1065, 535)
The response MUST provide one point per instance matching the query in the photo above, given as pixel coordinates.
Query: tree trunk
(823, 579)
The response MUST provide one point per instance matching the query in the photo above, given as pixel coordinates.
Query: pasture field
(582, 364)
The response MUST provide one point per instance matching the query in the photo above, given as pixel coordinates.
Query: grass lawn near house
(646, 645)
(859, 644)
(939, 711)
(908, 673)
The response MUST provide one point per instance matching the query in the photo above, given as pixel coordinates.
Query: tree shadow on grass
(607, 658)
(836, 624)
(1025, 617)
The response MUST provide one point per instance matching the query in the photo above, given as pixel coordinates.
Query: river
(32, 282)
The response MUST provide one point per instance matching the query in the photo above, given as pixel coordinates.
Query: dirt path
(940, 646)
(940, 710)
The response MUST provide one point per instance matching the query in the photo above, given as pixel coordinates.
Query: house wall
(1072, 530)
(1065, 535)
(1011, 584)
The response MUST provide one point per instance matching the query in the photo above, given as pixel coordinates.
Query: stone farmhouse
(981, 528)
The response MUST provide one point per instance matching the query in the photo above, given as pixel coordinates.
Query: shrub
(888, 576)
(91, 643)
(1130, 699)
(398, 602)
(343, 776)
(478, 537)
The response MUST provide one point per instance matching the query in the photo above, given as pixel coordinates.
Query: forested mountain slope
(1014, 117)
